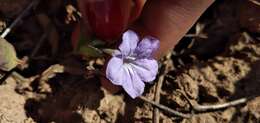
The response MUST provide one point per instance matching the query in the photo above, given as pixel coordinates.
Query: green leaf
(82, 40)
(8, 58)
(97, 43)
(89, 47)
(90, 51)
(109, 51)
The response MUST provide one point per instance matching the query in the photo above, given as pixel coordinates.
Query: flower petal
(146, 69)
(115, 71)
(129, 43)
(133, 85)
(147, 47)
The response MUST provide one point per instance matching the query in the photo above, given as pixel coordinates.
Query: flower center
(129, 59)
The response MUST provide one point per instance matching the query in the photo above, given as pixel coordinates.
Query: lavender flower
(132, 64)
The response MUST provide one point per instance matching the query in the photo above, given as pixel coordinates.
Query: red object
(75, 36)
(108, 19)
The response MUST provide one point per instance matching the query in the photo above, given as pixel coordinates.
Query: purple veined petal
(133, 85)
(147, 69)
(129, 43)
(147, 47)
(115, 71)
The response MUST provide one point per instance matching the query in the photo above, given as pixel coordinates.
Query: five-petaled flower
(133, 64)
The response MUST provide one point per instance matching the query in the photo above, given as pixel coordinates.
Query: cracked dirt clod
(190, 86)
(12, 104)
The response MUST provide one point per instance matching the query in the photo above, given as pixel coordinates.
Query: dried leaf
(8, 58)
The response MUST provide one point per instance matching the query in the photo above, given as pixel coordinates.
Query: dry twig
(156, 113)
(203, 108)
(247, 36)
(31, 5)
(199, 28)
(47, 75)
(165, 108)
(39, 44)
(255, 2)
(51, 72)
(73, 14)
